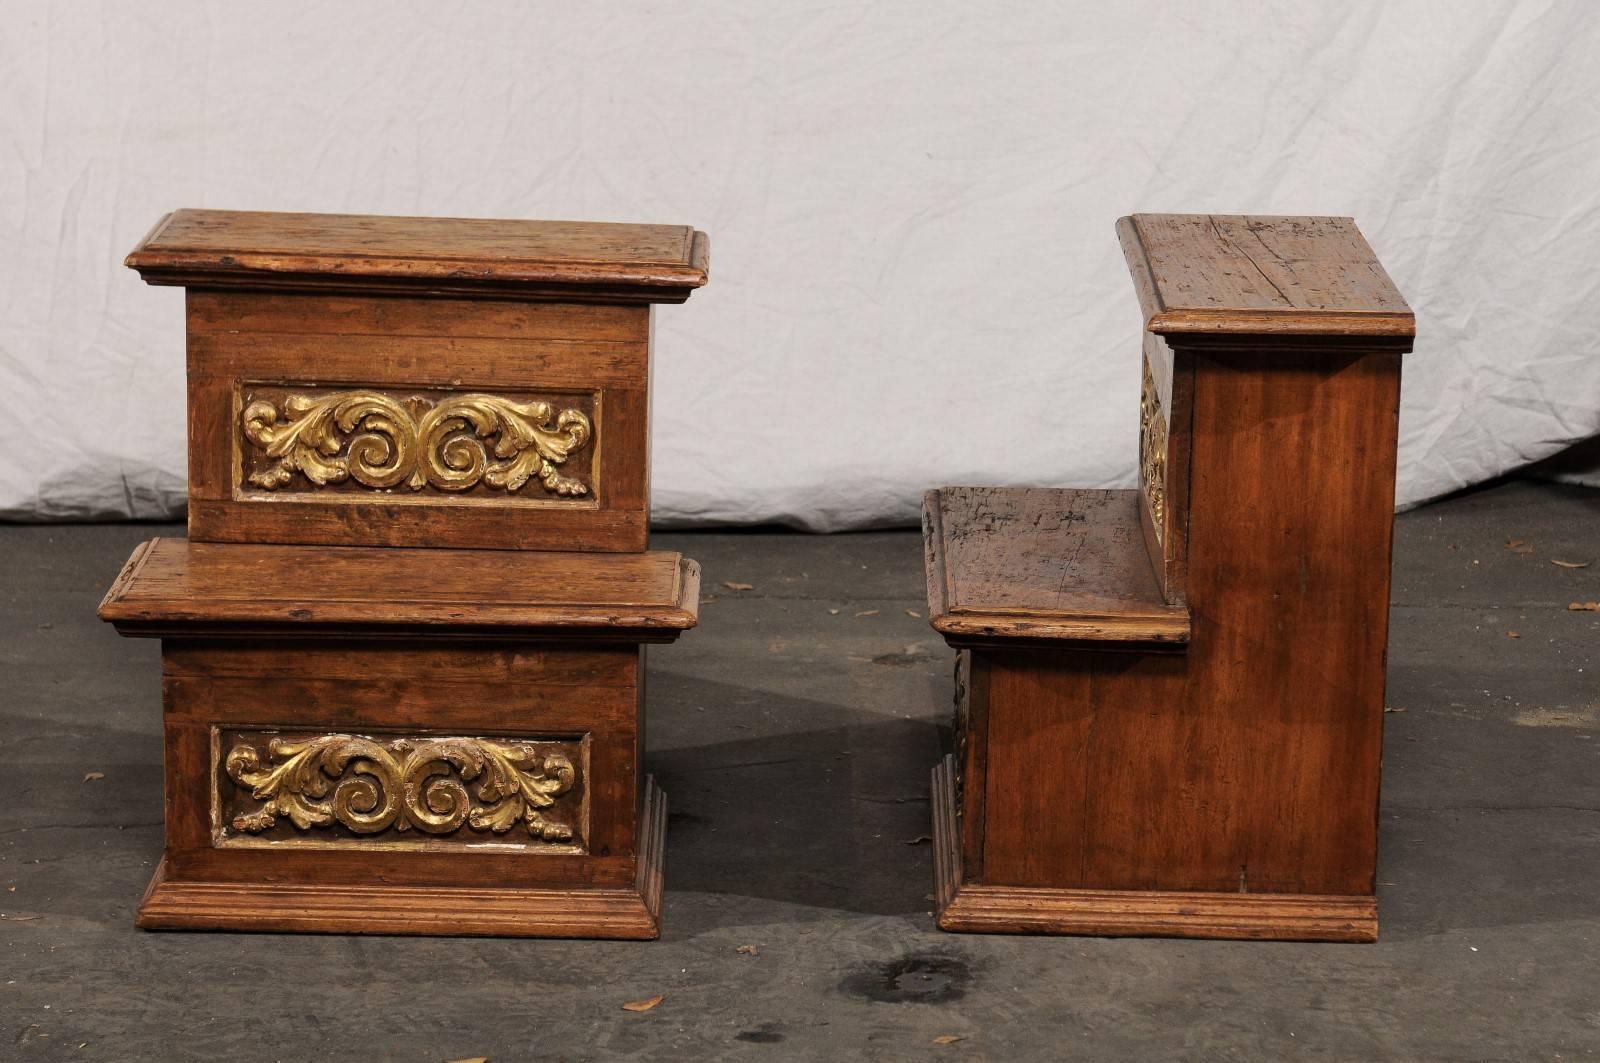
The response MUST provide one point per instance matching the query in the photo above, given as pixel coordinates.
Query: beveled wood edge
(1261, 322)
(323, 283)
(966, 627)
(974, 908)
(665, 282)
(1150, 913)
(129, 569)
(985, 627)
(700, 255)
(189, 628)
(1376, 323)
(620, 622)
(572, 912)
(412, 910)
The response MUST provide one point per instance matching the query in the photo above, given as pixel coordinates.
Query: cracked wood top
(1024, 564)
(175, 586)
(1202, 274)
(358, 252)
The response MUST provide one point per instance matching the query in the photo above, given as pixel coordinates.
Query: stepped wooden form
(403, 644)
(1170, 700)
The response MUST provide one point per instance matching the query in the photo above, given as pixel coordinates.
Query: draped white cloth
(914, 275)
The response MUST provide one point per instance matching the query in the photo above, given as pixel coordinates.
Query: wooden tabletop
(1230, 273)
(1030, 565)
(173, 586)
(232, 248)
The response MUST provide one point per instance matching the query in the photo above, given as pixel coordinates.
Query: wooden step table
(403, 645)
(1170, 699)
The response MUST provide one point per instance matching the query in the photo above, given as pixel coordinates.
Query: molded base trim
(1129, 913)
(572, 912)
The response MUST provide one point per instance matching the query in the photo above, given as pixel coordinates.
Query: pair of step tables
(403, 644)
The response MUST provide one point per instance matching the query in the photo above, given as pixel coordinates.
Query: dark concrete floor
(794, 732)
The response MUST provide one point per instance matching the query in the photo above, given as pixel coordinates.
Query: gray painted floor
(794, 732)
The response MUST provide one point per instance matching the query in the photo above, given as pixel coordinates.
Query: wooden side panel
(220, 695)
(1250, 764)
(399, 421)
(1080, 769)
(1289, 581)
(1036, 785)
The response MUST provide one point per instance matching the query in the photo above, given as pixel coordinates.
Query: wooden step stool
(403, 645)
(1170, 700)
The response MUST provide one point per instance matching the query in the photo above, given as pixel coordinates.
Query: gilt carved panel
(1153, 453)
(415, 444)
(353, 791)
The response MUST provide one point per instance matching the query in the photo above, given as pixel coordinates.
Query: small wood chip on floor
(868, 612)
(732, 586)
(93, 776)
(1585, 607)
(748, 950)
(918, 840)
(1518, 546)
(948, 1039)
(471, 1059)
(644, 1005)
(1570, 564)
(914, 614)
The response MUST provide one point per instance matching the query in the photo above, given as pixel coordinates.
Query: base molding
(565, 912)
(993, 909)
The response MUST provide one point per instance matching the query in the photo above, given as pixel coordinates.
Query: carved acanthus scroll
(382, 442)
(369, 786)
(1153, 452)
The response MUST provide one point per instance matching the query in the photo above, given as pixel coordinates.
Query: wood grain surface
(1230, 790)
(348, 252)
(1199, 273)
(245, 345)
(174, 585)
(277, 903)
(987, 909)
(1042, 564)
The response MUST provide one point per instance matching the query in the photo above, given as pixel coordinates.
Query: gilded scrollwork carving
(382, 442)
(370, 786)
(1153, 452)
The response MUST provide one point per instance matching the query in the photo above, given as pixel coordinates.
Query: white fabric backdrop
(914, 275)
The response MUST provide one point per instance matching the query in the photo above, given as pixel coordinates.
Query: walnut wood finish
(403, 646)
(1229, 789)
(221, 691)
(249, 345)
(989, 909)
(174, 586)
(419, 381)
(372, 906)
(1265, 276)
(1056, 566)
(352, 252)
